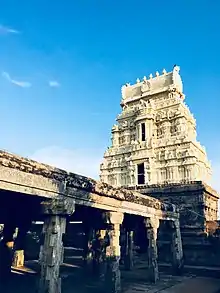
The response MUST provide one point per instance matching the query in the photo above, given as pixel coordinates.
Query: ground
(76, 279)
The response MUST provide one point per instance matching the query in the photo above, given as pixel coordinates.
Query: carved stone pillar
(152, 225)
(99, 253)
(113, 251)
(129, 263)
(51, 252)
(176, 248)
(86, 243)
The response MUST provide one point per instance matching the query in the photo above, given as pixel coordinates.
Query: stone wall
(196, 201)
(198, 206)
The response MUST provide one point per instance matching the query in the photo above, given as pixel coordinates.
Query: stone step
(203, 271)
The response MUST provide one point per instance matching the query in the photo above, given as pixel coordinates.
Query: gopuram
(155, 151)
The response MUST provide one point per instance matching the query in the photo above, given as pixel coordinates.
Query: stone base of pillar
(153, 274)
(177, 269)
(113, 275)
(18, 259)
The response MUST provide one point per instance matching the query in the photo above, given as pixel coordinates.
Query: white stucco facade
(154, 140)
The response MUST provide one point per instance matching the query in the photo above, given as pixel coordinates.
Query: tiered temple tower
(154, 140)
(155, 150)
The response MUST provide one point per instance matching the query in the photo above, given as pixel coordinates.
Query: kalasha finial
(176, 68)
(151, 76)
(138, 80)
(164, 71)
(144, 79)
(157, 73)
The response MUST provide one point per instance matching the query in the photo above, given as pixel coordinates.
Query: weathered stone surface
(113, 253)
(196, 201)
(152, 225)
(98, 248)
(51, 254)
(176, 248)
(30, 177)
(62, 206)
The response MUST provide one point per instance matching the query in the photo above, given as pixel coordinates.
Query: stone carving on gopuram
(154, 140)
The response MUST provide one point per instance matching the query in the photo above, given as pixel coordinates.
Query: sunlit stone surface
(154, 140)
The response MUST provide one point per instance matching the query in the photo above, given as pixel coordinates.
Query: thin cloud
(80, 161)
(4, 30)
(23, 84)
(54, 83)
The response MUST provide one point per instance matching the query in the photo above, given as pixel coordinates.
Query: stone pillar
(18, 258)
(6, 252)
(51, 252)
(129, 263)
(113, 251)
(152, 225)
(99, 245)
(176, 248)
(87, 258)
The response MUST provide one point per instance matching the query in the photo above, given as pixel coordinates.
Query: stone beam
(35, 179)
(83, 197)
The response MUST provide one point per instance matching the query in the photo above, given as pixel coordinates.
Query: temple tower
(154, 140)
(155, 150)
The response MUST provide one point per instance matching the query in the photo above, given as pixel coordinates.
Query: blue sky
(74, 56)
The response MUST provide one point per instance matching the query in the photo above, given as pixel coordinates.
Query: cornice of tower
(167, 81)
